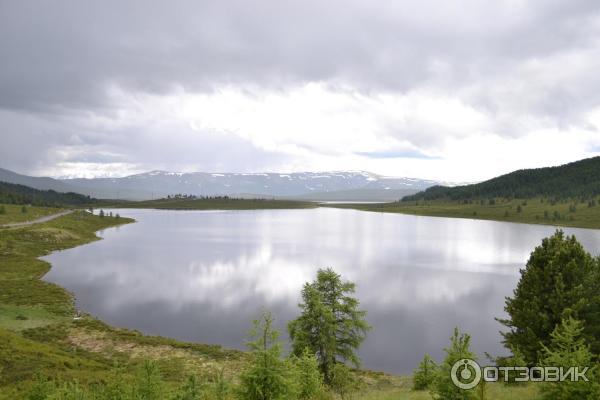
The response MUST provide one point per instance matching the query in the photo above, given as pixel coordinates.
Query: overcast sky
(447, 90)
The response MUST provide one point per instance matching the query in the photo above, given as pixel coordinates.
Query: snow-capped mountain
(313, 185)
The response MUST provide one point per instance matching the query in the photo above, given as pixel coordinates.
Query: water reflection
(202, 276)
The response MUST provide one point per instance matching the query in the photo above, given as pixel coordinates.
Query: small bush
(149, 385)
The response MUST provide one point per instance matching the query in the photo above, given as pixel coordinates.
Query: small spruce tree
(267, 377)
(559, 279)
(568, 349)
(425, 374)
(308, 377)
(443, 386)
(343, 381)
(331, 325)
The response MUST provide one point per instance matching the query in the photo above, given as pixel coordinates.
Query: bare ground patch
(192, 362)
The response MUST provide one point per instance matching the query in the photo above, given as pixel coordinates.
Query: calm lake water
(204, 275)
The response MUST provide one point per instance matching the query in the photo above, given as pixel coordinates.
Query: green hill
(11, 193)
(580, 179)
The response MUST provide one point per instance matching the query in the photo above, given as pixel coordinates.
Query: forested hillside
(579, 179)
(18, 194)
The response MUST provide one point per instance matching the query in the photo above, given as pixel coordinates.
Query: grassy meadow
(573, 213)
(14, 213)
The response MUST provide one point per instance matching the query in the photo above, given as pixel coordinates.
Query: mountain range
(318, 186)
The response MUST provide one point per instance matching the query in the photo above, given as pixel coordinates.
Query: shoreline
(43, 326)
(49, 338)
(584, 218)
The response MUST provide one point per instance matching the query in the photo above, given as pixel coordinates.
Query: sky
(452, 90)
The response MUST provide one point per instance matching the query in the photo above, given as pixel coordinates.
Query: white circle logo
(466, 374)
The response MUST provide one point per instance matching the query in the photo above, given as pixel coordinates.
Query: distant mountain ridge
(40, 183)
(577, 179)
(336, 185)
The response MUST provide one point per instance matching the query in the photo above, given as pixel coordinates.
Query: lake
(204, 275)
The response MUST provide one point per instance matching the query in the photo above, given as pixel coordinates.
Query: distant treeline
(580, 179)
(194, 197)
(11, 193)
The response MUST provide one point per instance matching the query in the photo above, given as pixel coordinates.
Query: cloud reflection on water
(204, 275)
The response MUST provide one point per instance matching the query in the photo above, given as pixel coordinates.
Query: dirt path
(37, 221)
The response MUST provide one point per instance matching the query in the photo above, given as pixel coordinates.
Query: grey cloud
(68, 53)
(396, 154)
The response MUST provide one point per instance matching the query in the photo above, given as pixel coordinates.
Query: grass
(213, 204)
(494, 391)
(572, 213)
(19, 318)
(39, 335)
(13, 213)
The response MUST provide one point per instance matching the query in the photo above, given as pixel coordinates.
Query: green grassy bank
(11, 213)
(572, 213)
(40, 336)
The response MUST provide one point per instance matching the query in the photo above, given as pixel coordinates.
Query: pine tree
(308, 377)
(554, 283)
(343, 381)
(425, 374)
(459, 349)
(330, 325)
(267, 377)
(568, 349)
